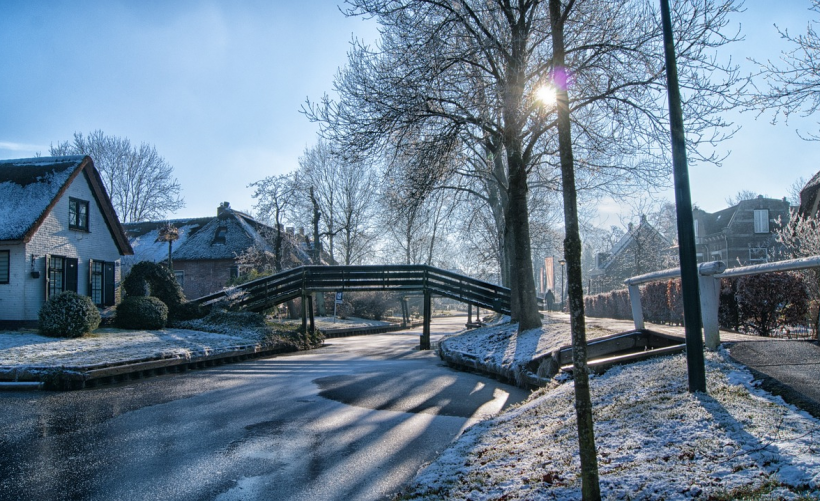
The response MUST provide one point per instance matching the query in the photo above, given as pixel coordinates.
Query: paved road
(790, 369)
(353, 420)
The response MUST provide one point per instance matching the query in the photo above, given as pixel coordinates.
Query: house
(212, 250)
(809, 201)
(743, 234)
(58, 232)
(642, 249)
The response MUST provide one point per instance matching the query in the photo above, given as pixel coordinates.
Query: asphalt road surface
(353, 420)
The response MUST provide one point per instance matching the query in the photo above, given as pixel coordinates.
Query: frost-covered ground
(325, 323)
(21, 349)
(655, 440)
(501, 350)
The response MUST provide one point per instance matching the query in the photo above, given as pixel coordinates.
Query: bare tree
(139, 181)
(463, 75)
(794, 81)
(740, 196)
(276, 197)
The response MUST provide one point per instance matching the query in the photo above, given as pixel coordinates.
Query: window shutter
(90, 278)
(48, 269)
(108, 284)
(70, 274)
(761, 221)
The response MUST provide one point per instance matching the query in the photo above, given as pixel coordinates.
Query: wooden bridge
(302, 282)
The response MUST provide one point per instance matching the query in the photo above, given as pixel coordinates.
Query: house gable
(31, 187)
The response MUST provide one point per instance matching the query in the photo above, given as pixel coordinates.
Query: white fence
(709, 275)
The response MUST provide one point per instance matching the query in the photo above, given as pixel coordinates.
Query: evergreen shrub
(68, 314)
(141, 312)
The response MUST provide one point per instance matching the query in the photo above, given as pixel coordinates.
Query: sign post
(337, 301)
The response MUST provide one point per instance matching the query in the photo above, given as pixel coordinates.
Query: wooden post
(304, 312)
(310, 312)
(469, 314)
(424, 343)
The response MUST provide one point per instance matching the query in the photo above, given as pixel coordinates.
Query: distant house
(642, 249)
(809, 199)
(58, 232)
(210, 250)
(743, 234)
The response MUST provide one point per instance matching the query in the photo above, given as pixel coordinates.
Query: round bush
(141, 312)
(68, 314)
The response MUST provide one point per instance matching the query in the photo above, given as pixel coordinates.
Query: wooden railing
(270, 291)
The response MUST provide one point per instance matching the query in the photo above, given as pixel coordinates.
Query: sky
(217, 87)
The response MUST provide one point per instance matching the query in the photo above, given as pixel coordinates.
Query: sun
(546, 94)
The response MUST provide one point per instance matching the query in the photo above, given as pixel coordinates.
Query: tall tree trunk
(590, 488)
(522, 283)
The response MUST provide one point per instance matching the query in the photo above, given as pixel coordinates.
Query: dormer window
(77, 214)
(221, 232)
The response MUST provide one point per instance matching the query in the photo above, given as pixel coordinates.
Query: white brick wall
(23, 296)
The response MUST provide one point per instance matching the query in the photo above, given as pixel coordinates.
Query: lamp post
(562, 262)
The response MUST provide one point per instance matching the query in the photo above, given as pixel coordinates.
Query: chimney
(223, 207)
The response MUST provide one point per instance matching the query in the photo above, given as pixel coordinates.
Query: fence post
(637, 308)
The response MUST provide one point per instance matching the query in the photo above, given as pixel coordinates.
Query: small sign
(338, 298)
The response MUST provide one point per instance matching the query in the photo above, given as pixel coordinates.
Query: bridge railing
(276, 289)
(709, 275)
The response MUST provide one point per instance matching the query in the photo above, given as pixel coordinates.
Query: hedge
(755, 303)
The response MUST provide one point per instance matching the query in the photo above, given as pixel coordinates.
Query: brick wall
(203, 277)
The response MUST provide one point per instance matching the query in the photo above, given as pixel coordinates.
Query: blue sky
(217, 88)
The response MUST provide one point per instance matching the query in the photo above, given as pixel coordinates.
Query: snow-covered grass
(21, 349)
(501, 350)
(655, 440)
(328, 323)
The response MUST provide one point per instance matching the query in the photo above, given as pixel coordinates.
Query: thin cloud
(6, 145)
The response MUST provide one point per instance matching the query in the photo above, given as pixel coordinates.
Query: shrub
(189, 311)
(770, 301)
(655, 303)
(728, 315)
(674, 298)
(153, 279)
(370, 304)
(68, 314)
(139, 312)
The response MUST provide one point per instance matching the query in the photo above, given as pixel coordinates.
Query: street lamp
(562, 262)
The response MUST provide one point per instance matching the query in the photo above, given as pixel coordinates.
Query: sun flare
(546, 94)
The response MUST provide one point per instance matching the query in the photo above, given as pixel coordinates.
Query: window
(761, 221)
(758, 255)
(77, 214)
(219, 237)
(101, 283)
(180, 276)
(4, 266)
(61, 275)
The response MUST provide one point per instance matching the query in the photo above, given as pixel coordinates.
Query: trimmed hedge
(141, 312)
(68, 314)
(147, 278)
